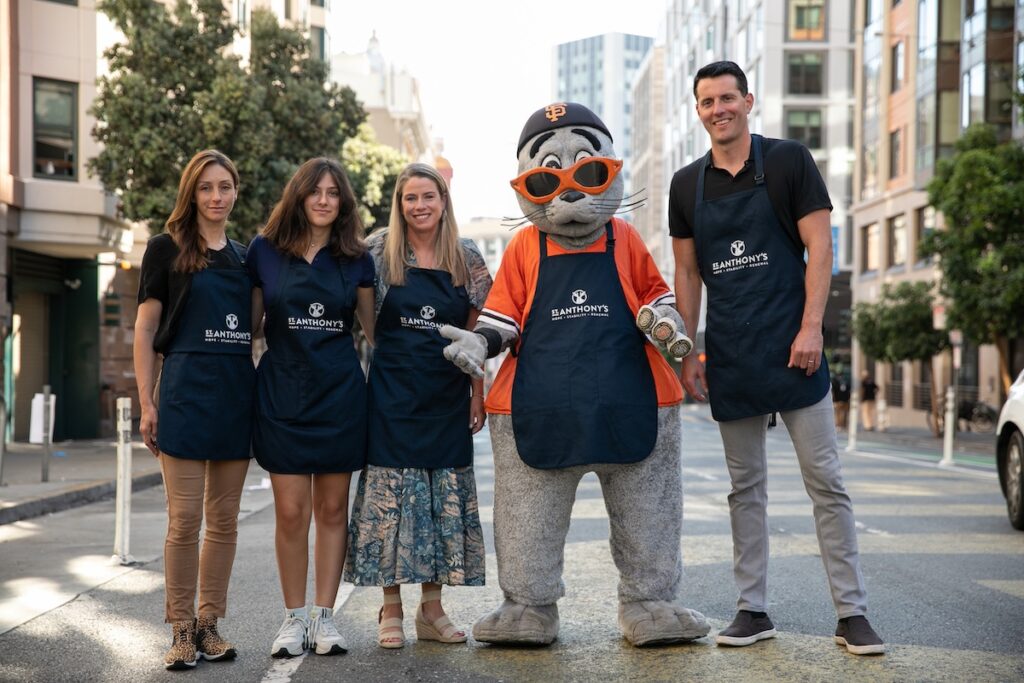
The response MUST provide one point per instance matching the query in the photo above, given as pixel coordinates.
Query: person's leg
(184, 481)
(292, 511)
(330, 511)
(814, 439)
(745, 456)
(224, 482)
(431, 621)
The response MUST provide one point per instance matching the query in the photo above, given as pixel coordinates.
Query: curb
(73, 497)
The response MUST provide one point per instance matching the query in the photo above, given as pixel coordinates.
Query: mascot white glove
(661, 324)
(468, 350)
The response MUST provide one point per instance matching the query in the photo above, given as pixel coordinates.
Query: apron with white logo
(311, 391)
(755, 281)
(419, 401)
(207, 378)
(583, 391)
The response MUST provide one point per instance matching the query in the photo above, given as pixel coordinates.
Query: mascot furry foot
(655, 622)
(516, 624)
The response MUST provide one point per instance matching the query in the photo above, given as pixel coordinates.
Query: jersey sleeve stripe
(498, 320)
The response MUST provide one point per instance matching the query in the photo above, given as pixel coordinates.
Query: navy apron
(311, 391)
(583, 391)
(207, 378)
(754, 276)
(419, 401)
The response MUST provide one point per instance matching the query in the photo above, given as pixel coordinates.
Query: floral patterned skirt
(415, 526)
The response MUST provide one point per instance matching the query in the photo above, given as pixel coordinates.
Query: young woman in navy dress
(415, 518)
(312, 275)
(194, 310)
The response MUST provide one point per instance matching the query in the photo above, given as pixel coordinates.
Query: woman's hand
(147, 428)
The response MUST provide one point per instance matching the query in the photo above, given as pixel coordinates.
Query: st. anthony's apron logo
(316, 321)
(580, 308)
(424, 322)
(231, 335)
(740, 259)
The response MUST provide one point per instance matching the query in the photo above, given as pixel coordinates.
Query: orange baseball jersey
(511, 297)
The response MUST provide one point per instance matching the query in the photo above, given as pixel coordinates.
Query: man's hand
(468, 350)
(805, 351)
(693, 378)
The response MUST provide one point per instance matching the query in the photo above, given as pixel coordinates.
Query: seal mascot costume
(578, 298)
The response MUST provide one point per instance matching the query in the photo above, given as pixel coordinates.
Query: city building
(391, 97)
(598, 72)
(798, 56)
(925, 71)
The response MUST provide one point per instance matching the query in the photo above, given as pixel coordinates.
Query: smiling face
(215, 194)
(577, 217)
(422, 205)
(723, 109)
(323, 203)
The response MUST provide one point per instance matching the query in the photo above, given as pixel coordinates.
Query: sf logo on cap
(553, 112)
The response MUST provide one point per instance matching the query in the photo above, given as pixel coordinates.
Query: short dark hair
(725, 68)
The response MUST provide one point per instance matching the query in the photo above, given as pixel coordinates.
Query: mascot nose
(571, 196)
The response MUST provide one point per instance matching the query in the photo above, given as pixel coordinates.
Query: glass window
(869, 177)
(925, 225)
(288, 9)
(318, 43)
(870, 246)
(805, 73)
(804, 125)
(55, 129)
(973, 94)
(806, 20)
(316, 3)
(898, 240)
(896, 153)
(898, 66)
(925, 132)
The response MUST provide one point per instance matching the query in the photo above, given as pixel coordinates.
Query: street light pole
(956, 338)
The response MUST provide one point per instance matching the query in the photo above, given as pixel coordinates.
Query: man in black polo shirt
(741, 218)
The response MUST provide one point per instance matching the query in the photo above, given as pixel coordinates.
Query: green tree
(899, 327)
(174, 89)
(373, 169)
(980, 192)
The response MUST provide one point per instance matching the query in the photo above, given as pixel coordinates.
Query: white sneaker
(291, 637)
(324, 638)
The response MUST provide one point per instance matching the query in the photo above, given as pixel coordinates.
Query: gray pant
(813, 432)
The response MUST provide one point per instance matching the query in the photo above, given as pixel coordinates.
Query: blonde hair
(182, 225)
(448, 255)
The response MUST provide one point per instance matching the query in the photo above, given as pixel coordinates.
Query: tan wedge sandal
(390, 633)
(442, 630)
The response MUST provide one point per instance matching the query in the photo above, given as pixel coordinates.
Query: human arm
(477, 416)
(688, 285)
(366, 311)
(257, 312)
(816, 234)
(144, 355)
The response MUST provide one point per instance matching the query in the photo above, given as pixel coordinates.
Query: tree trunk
(1005, 380)
(938, 410)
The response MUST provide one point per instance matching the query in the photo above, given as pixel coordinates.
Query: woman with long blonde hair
(312, 276)
(194, 310)
(415, 517)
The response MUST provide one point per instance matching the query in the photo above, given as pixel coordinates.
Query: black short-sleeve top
(795, 187)
(159, 280)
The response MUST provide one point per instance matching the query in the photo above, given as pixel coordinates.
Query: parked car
(1010, 452)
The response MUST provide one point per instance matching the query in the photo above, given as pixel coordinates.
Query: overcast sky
(483, 68)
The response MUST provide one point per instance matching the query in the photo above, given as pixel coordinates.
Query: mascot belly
(581, 303)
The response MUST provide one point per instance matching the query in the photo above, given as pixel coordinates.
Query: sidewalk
(80, 472)
(968, 447)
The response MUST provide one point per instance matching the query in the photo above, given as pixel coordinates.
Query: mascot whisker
(583, 307)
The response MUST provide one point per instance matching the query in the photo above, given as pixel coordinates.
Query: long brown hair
(289, 230)
(182, 225)
(448, 254)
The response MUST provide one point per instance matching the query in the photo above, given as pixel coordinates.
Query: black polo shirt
(795, 187)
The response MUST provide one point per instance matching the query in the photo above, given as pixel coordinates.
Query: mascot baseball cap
(559, 115)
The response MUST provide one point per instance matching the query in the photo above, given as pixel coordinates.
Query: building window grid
(897, 255)
(898, 73)
(806, 20)
(805, 125)
(896, 153)
(805, 73)
(55, 129)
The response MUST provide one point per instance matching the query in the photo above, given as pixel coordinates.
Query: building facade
(598, 72)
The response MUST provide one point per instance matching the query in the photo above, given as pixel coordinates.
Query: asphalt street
(944, 569)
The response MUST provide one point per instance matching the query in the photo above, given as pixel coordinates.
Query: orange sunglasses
(592, 175)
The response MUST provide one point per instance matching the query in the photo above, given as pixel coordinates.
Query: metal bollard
(851, 424)
(123, 499)
(3, 437)
(46, 434)
(947, 436)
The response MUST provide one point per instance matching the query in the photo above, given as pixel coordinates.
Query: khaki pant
(198, 488)
(867, 414)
